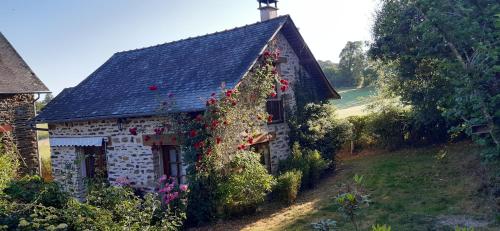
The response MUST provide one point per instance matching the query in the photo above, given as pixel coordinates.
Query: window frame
(281, 110)
(164, 151)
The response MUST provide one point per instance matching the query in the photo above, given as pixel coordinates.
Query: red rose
(153, 88)
(192, 133)
(198, 145)
(250, 140)
(199, 117)
(229, 93)
(233, 103)
(284, 81)
(215, 123)
(218, 140)
(266, 54)
(241, 147)
(133, 131)
(270, 118)
(284, 87)
(273, 94)
(211, 101)
(273, 87)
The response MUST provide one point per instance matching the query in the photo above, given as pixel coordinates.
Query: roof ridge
(205, 35)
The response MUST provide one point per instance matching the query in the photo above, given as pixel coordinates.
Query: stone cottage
(89, 124)
(18, 86)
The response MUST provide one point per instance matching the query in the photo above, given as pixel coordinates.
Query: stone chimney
(267, 10)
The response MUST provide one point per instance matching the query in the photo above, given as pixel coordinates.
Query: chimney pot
(267, 11)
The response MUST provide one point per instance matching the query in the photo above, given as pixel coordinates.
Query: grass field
(44, 151)
(410, 189)
(354, 101)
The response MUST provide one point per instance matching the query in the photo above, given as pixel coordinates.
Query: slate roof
(15, 75)
(189, 68)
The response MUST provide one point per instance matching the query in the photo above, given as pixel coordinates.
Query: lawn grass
(44, 151)
(42, 134)
(410, 189)
(353, 101)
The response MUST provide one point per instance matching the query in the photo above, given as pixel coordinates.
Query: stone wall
(126, 155)
(280, 147)
(17, 110)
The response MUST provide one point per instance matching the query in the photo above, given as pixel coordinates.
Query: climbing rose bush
(224, 134)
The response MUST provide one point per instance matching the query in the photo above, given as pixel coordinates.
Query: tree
(332, 73)
(352, 63)
(41, 104)
(446, 55)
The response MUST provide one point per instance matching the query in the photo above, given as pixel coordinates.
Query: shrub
(108, 208)
(8, 160)
(309, 162)
(381, 228)
(390, 127)
(361, 137)
(351, 199)
(317, 165)
(393, 127)
(247, 187)
(316, 126)
(83, 216)
(32, 189)
(287, 186)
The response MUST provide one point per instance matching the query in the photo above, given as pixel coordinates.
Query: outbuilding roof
(15, 75)
(189, 69)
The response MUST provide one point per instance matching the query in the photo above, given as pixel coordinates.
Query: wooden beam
(152, 140)
(5, 128)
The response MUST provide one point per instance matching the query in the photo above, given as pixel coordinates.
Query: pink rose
(183, 187)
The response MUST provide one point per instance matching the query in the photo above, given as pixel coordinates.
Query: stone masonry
(17, 110)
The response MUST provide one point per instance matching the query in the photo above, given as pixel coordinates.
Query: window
(171, 163)
(265, 154)
(275, 108)
(94, 162)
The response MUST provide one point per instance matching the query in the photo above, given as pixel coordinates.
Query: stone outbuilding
(18, 87)
(89, 124)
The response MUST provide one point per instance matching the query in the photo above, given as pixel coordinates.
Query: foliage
(32, 189)
(393, 127)
(457, 228)
(381, 228)
(446, 57)
(9, 163)
(107, 208)
(389, 127)
(39, 105)
(351, 200)
(324, 225)
(316, 126)
(352, 62)
(309, 162)
(248, 188)
(287, 186)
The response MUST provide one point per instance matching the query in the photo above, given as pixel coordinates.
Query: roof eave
(333, 93)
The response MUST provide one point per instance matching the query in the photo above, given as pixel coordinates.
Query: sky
(64, 41)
